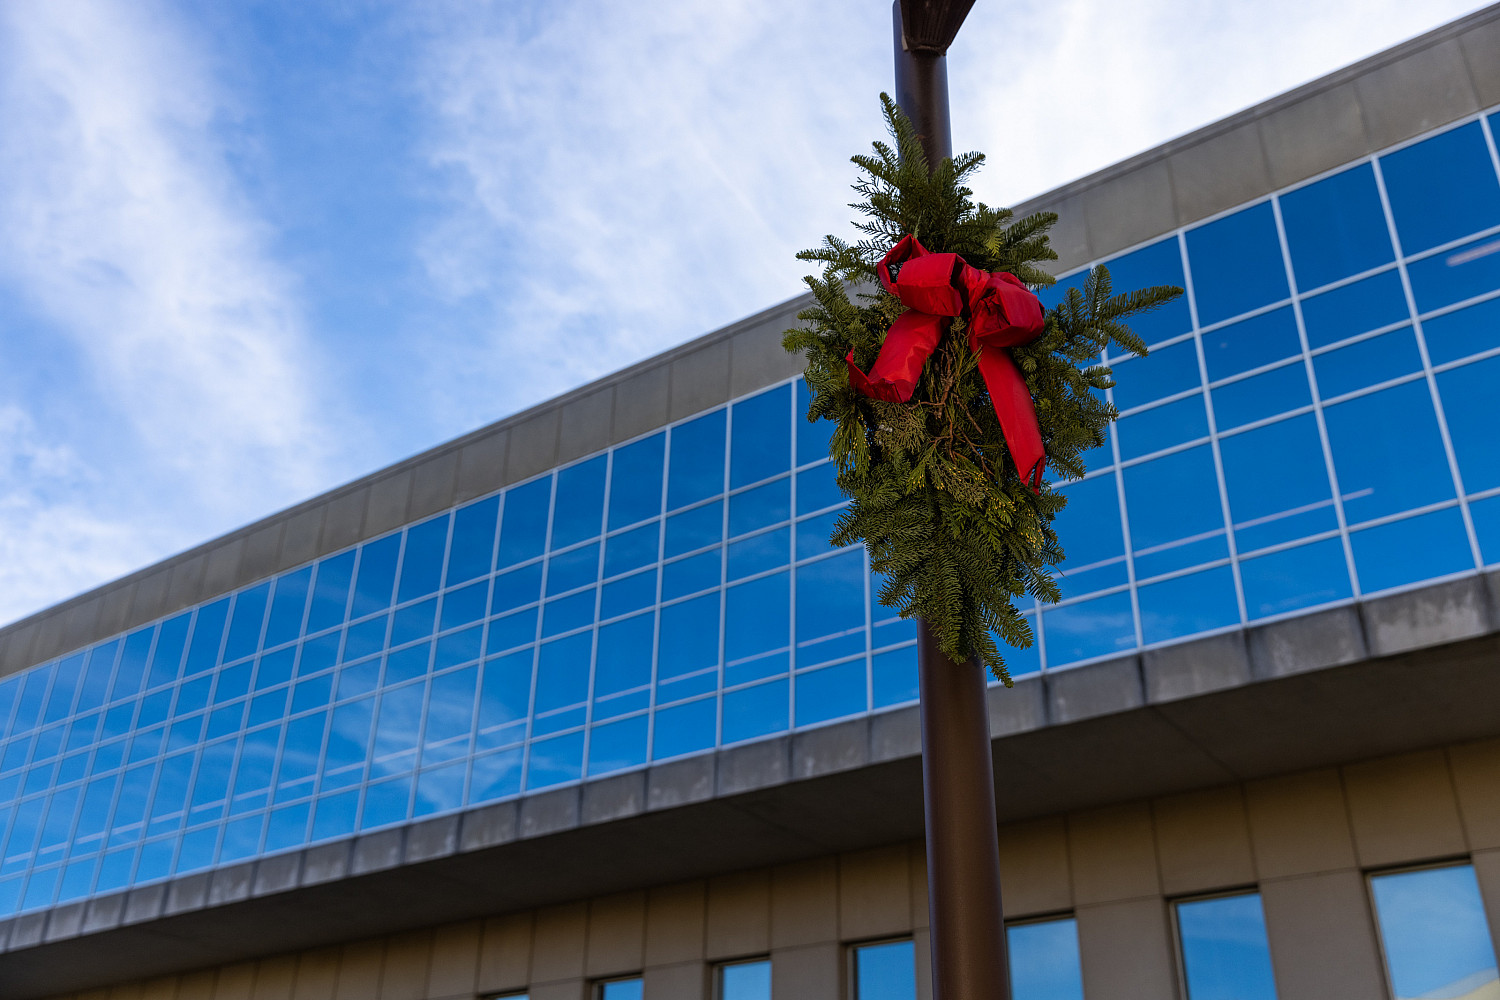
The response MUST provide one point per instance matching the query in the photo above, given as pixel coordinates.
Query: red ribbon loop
(1001, 311)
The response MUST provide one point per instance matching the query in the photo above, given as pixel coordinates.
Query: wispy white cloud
(123, 226)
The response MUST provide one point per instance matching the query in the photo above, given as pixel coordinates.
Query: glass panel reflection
(1225, 955)
(885, 971)
(1044, 963)
(745, 981)
(1437, 940)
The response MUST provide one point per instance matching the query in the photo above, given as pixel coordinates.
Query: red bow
(1001, 313)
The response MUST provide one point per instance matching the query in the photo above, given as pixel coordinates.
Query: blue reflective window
(760, 437)
(579, 508)
(570, 570)
(166, 662)
(464, 605)
(1411, 550)
(758, 553)
(287, 607)
(415, 621)
(523, 522)
(697, 465)
(831, 692)
(617, 745)
(893, 677)
(369, 636)
(1442, 188)
(1367, 362)
(620, 989)
(450, 714)
(1164, 372)
(1173, 507)
(1157, 264)
(386, 802)
(1252, 343)
(1387, 452)
(757, 617)
(1088, 629)
(439, 789)
(1044, 962)
(516, 588)
(694, 528)
(494, 776)
(818, 487)
(689, 636)
(512, 631)
(815, 533)
(1091, 522)
(1277, 483)
(334, 815)
(203, 649)
(690, 575)
(624, 665)
(745, 981)
(397, 724)
(1261, 396)
(472, 551)
(1162, 427)
(410, 663)
(632, 549)
(1437, 941)
(1335, 227)
(94, 686)
(562, 678)
(422, 558)
(760, 507)
(1454, 275)
(130, 672)
(1468, 406)
(1236, 264)
(1356, 308)
(1187, 605)
(377, 575)
(1486, 517)
(1295, 578)
(1225, 954)
(504, 699)
(349, 736)
(627, 594)
(246, 622)
(830, 608)
(684, 728)
(635, 481)
(1463, 332)
(330, 597)
(885, 971)
(754, 711)
(812, 435)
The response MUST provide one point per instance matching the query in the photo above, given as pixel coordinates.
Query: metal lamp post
(963, 859)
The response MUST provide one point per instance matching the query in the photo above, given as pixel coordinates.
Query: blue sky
(252, 250)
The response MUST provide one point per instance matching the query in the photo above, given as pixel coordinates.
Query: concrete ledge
(1097, 689)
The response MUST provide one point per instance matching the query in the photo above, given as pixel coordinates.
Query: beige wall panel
(739, 915)
(804, 903)
(572, 989)
(1299, 824)
(455, 960)
(201, 985)
(359, 971)
(617, 932)
(317, 974)
(812, 972)
(164, 988)
(920, 916)
(505, 953)
(557, 945)
(686, 981)
(674, 923)
(1112, 854)
(1203, 841)
(274, 978)
(1126, 951)
(404, 973)
(1034, 867)
(235, 982)
(1322, 941)
(922, 947)
(875, 893)
(1403, 808)
(1476, 776)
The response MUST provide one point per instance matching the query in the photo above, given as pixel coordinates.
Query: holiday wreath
(951, 389)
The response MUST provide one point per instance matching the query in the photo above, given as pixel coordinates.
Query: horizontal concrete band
(1412, 88)
(1385, 676)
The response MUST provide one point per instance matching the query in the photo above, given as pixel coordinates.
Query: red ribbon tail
(908, 344)
(1017, 413)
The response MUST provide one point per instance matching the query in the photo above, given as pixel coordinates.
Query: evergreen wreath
(948, 519)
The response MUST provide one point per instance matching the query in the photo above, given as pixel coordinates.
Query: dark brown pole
(958, 783)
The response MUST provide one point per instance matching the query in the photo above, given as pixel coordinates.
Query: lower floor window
(886, 971)
(1044, 960)
(1225, 954)
(745, 981)
(619, 989)
(1434, 932)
